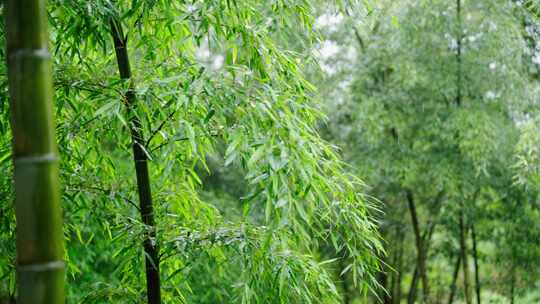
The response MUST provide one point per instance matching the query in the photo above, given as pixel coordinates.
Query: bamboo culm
(396, 298)
(40, 248)
(454, 280)
(420, 249)
(463, 252)
(140, 159)
(459, 98)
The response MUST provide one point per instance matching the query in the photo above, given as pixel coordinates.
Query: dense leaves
(214, 80)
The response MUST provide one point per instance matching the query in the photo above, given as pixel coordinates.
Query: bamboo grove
(270, 151)
(435, 109)
(131, 81)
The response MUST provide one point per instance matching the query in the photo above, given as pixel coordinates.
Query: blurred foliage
(440, 103)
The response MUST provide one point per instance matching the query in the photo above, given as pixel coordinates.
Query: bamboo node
(31, 53)
(41, 267)
(36, 159)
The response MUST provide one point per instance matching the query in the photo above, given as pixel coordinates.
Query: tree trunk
(512, 287)
(454, 280)
(40, 240)
(385, 295)
(420, 248)
(395, 288)
(462, 228)
(140, 158)
(476, 266)
(463, 250)
(398, 265)
(458, 54)
(411, 297)
(426, 241)
(344, 282)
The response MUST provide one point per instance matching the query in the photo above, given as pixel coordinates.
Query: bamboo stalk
(476, 266)
(396, 298)
(140, 159)
(458, 54)
(420, 248)
(454, 280)
(475, 254)
(40, 249)
(464, 254)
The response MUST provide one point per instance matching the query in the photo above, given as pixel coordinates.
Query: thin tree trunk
(420, 248)
(459, 97)
(512, 287)
(140, 158)
(395, 288)
(458, 54)
(476, 266)
(346, 295)
(414, 282)
(385, 294)
(383, 281)
(411, 297)
(475, 253)
(392, 288)
(344, 283)
(426, 241)
(40, 240)
(463, 250)
(396, 298)
(454, 280)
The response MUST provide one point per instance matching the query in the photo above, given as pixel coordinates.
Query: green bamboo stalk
(40, 249)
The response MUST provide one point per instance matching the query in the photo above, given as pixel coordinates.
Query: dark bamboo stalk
(463, 251)
(411, 296)
(344, 281)
(459, 97)
(396, 297)
(395, 264)
(475, 254)
(476, 266)
(140, 158)
(393, 274)
(426, 241)
(458, 53)
(414, 282)
(512, 287)
(420, 248)
(385, 295)
(40, 248)
(454, 280)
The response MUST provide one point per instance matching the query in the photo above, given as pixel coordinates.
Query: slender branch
(102, 190)
(182, 139)
(159, 128)
(359, 38)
